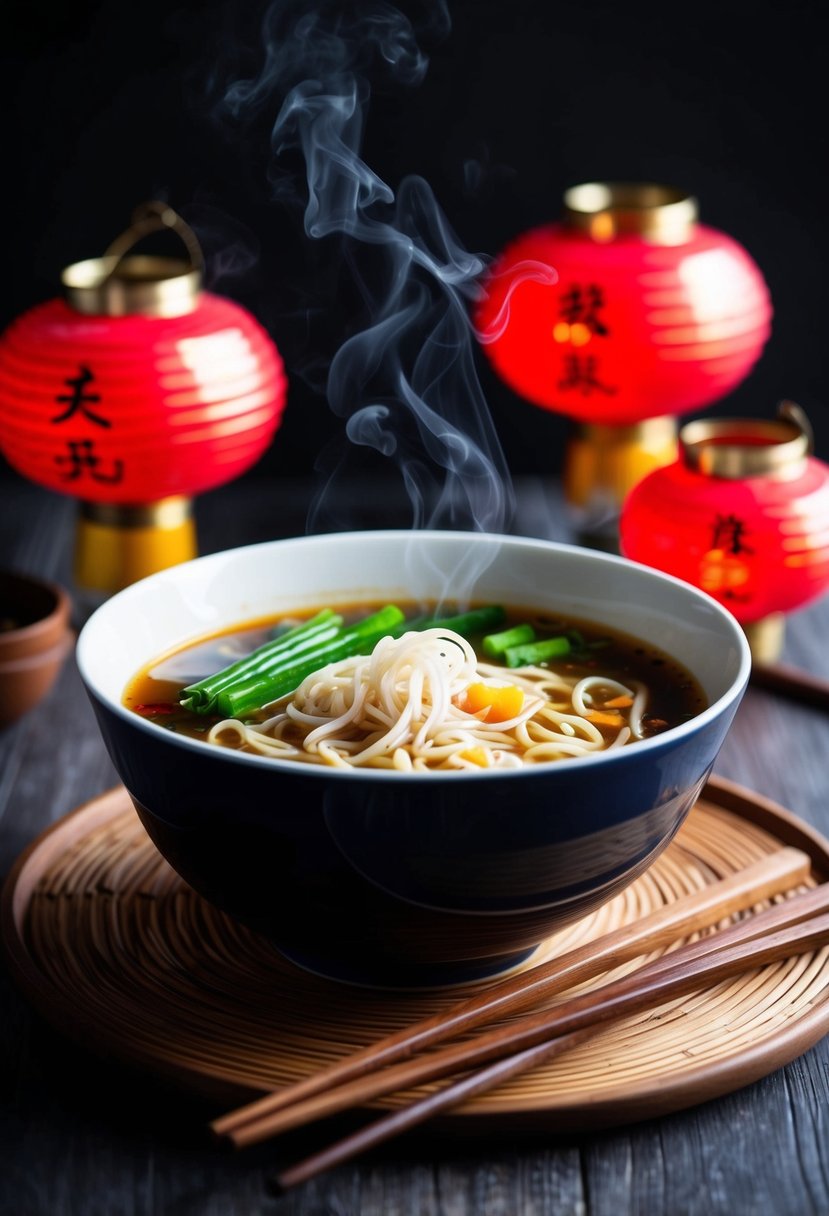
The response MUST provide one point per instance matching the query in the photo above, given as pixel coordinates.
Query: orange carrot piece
(476, 755)
(622, 702)
(599, 718)
(501, 704)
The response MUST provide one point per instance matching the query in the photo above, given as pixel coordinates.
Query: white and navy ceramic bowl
(426, 878)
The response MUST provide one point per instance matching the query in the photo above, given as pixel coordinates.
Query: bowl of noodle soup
(416, 813)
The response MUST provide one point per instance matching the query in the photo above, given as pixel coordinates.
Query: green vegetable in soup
(467, 624)
(258, 686)
(497, 644)
(280, 665)
(535, 653)
(203, 696)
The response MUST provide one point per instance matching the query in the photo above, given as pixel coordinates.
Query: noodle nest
(402, 708)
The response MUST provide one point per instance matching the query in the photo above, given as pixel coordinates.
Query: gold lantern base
(117, 545)
(603, 463)
(766, 636)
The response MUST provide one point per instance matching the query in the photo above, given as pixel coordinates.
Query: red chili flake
(156, 708)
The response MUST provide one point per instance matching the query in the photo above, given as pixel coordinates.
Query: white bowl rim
(614, 756)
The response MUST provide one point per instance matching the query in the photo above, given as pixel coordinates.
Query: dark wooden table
(84, 1137)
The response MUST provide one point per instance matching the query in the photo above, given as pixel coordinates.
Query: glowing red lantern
(648, 313)
(133, 393)
(743, 514)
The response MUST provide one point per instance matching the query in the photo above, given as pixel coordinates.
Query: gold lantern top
(122, 284)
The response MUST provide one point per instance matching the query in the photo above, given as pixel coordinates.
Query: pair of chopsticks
(798, 924)
(791, 682)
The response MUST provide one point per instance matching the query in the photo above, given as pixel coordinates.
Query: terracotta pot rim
(47, 631)
(40, 658)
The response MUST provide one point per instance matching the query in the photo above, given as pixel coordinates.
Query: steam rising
(406, 385)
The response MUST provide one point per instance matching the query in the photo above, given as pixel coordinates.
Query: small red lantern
(133, 393)
(648, 313)
(743, 514)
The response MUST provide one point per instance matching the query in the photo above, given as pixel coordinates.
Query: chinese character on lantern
(134, 392)
(743, 514)
(644, 314)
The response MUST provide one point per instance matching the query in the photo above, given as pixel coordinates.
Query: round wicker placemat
(117, 951)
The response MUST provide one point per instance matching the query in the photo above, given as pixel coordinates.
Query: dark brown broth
(675, 695)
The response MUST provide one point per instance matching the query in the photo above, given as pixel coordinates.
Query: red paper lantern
(643, 313)
(743, 514)
(133, 393)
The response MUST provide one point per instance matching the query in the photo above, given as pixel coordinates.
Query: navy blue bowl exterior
(407, 880)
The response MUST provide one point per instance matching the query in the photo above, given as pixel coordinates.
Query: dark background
(106, 104)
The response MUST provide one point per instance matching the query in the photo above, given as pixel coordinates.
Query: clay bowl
(35, 638)
(405, 879)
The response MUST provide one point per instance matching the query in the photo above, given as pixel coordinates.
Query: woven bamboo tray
(118, 952)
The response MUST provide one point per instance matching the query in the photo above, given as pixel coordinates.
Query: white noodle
(588, 687)
(636, 711)
(401, 708)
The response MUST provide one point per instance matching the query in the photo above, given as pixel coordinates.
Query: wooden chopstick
(537, 1038)
(778, 872)
(791, 682)
(450, 1059)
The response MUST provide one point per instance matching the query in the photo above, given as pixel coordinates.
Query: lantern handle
(791, 412)
(150, 217)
